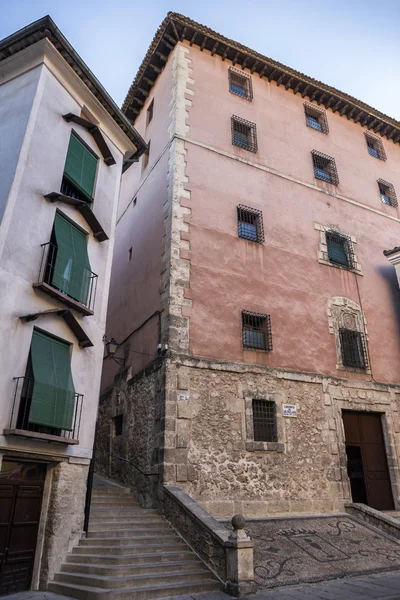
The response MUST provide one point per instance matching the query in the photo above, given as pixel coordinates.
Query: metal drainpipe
(89, 488)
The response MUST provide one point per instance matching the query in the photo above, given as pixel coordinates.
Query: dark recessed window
(353, 349)
(130, 253)
(387, 192)
(146, 155)
(250, 224)
(264, 421)
(256, 331)
(118, 423)
(340, 249)
(244, 134)
(240, 84)
(375, 146)
(150, 111)
(316, 117)
(324, 167)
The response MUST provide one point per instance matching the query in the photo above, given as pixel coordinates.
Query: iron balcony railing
(77, 283)
(20, 414)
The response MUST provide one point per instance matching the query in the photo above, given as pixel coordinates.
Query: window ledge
(48, 289)
(265, 446)
(84, 209)
(41, 436)
(354, 369)
(356, 271)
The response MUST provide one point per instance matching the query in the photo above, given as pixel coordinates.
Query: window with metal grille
(387, 192)
(375, 146)
(150, 111)
(340, 249)
(240, 84)
(316, 118)
(250, 224)
(256, 331)
(324, 167)
(353, 349)
(118, 423)
(244, 134)
(264, 421)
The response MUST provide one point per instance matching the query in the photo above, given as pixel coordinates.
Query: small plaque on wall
(182, 396)
(289, 410)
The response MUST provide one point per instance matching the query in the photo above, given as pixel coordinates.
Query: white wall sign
(289, 410)
(182, 396)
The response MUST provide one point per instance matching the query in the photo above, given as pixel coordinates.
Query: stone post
(239, 558)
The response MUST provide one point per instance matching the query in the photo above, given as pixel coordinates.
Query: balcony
(75, 287)
(63, 407)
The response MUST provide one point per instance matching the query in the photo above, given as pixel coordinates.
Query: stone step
(126, 550)
(132, 569)
(131, 533)
(144, 592)
(121, 516)
(114, 489)
(120, 503)
(121, 511)
(131, 581)
(129, 559)
(130, 524)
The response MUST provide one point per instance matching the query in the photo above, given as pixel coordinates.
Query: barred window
(264, 421)
(316, 117)
(340, 249)
(324, 167)
(256, 331)
(250, 224)
(244, 134)
(375, 145)
(387, 192)
(353, 349)
(240, 84)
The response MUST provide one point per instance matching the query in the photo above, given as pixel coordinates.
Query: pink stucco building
(256, 313)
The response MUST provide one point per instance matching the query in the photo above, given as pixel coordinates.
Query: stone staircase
(130, 553)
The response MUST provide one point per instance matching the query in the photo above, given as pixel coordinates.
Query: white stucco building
(63, 145)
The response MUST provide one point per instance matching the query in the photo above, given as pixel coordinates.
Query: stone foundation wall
(140, 399)
(210, 451)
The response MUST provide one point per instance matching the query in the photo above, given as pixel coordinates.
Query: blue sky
(352, 45)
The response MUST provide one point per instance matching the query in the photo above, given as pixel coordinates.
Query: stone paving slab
(295, 550)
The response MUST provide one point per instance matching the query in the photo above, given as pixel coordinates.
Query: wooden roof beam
(320, 100)
(261, 73)
(396, 138)
(150, 82)
(297, 88)
(379, 127)
(314, 95)
(391, 133)
(338, 103)
(287, 84)
(224, 55)
(350, 114)
(343, 109)
(169, 46)
(305, 91)
(271, 75)
(365, 119)
(175, 31)
(144, 92)
(245, 62)
(156, 69)
(161, 56)
(170, 39)
(235, 60)
(254, 67)
(193, 38)
(358, 116)
(203, 43)
(330, 101)
(213, 51)
(371, 125)
(281, 78)
(184, 30)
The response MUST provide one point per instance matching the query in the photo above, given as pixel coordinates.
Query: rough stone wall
(65, 516)
(140, 400)
(216, 461)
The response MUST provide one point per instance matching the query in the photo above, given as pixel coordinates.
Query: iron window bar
(256, 331)
(240, 84)
(316, 117)
(340, 249)
(250, 224)
(353, 349)
(375, 145)
(46, 273)
(387, 192)
(19, 420)
(324, 167)
(244, 134)
(264, 421)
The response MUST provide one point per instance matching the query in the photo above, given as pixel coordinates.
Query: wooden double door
(367, 465)
(21, 492)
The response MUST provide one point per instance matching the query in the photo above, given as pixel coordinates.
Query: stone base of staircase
(130, 553)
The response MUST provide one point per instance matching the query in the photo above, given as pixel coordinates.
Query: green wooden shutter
(72, 270)
(80, 166)
(53, 396)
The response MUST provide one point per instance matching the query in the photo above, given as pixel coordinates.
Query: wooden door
(21, 492)
(364, 440)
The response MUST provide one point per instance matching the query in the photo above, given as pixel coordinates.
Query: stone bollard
(239, 559)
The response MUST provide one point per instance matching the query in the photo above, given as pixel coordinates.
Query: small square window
(150, 111)
(387, 192)
(375, 146)
(264, 421)
(130, 253)
(118, 423)
(340, 249)
(146, 155)
(353, 349)
(324, 167)
(244, 134)
(250, 224)
(256, 331)
(316, 118)
(240, 84)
